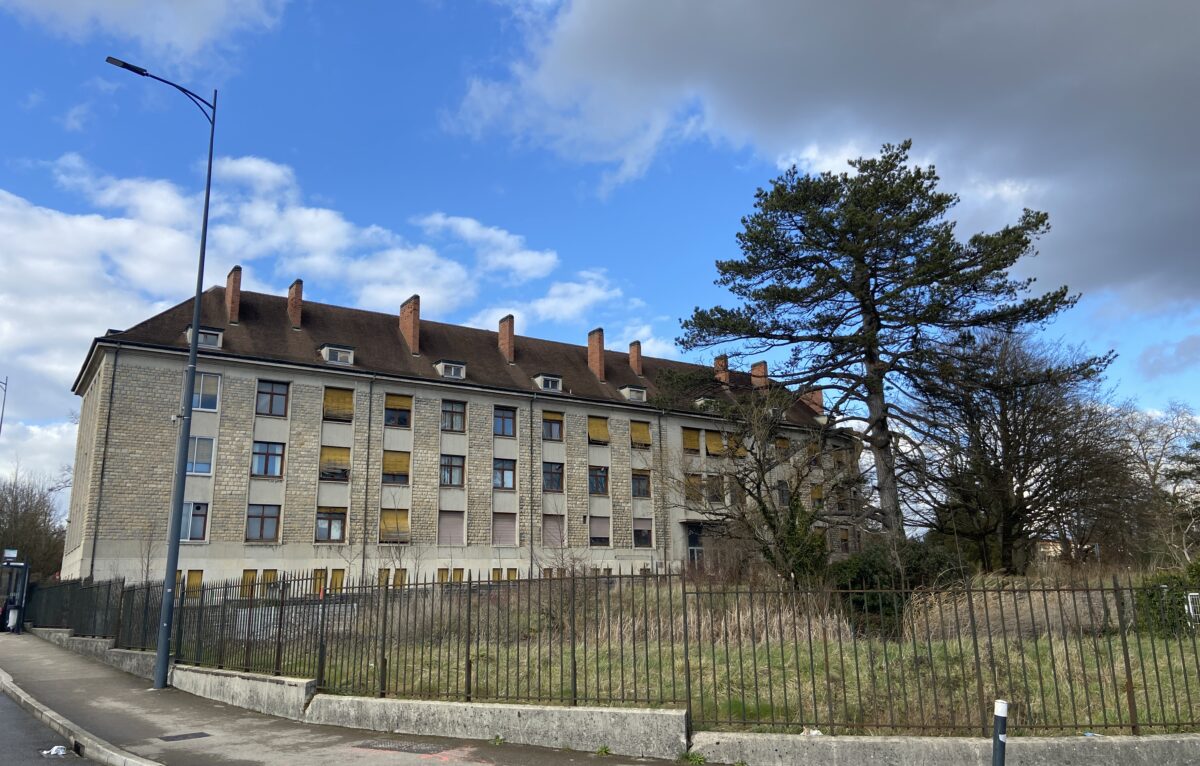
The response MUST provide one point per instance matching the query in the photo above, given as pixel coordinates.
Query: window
(195, 579)
(395, 467)
(714, 445)
(639, 434)
(249, 577)
(841, 540)
(331, 525)
(269, 578)
(693, 488)
(262, 523)
(641, 484)
(598, 531)
(337, 578)
(451, 528)
(691, 441)
(210, 338)
(643, 533)
(452, 470)
(399, 577)
(504, 421)
(318, 581)
(339, 405)
(549, 382)
(504, 529)
(195, 522)
(552, 426)
(449, 575)
(784, 491)
(266, 459)
(782, 446)
(504, 473)
(335, 464)
(634, 393)
(338, 354)
(200, 455)
(448, 369)
(205, 392)
(597, 480)
(552, 477)
(714, 488)
(272, 399)
(554, 530)
(597, 430)
(817, 494)
(397, 411)
(497, 574)
(454, 416)
(393, 526)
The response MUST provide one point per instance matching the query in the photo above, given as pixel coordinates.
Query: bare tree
(31, 522)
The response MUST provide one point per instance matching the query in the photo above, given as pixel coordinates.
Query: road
(23, 738)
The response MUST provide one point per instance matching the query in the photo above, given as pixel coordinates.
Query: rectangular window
(269, 578)
(195, 521)
(337, 578)
(399, 577)
(693, 488)
(335, 464)
(331, 525)
(512, 574)
(597, 480)
(318, 581)
(209, 338)
(782, 446)
(504, 473)
(691, 441)
(714, 445)
(382, 578)
(817, 494)
(714, 488)
(643, 533)
(641, 484)
(504, 421)
(443, 575)
(262, 523)
(554, 530)
(266, 459)
(393, 526)
(597, 430)
(598, 531)
(639, 434)
(206, 391)
(497, 574)
(200, 455)
(397, 411)
(552, 477)
(249, 577)
(784, 491)
(454, 416)
(395, 467)
(504, 529)
(195, 579)
(552, 426)
(339, 405)
(452, 470)
(451, 528)
(272, 399)
(843, 540)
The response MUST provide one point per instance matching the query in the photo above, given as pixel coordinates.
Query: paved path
(23, 738)
(178, 729)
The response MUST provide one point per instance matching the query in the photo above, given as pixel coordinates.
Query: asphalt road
(23, 738)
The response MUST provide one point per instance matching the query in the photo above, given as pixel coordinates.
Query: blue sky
(579, 164)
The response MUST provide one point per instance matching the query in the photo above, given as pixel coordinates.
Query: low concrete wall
(785, 750)
(273, 695)
(625, 731)
(135, 663)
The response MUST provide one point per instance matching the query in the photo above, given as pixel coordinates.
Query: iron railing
(1112, 657)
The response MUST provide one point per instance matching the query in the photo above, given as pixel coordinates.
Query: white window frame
(552, 383)
(186, 524)
(452, 370)
(218, 334)
(212, 459)
(332, 354)
(634, 393)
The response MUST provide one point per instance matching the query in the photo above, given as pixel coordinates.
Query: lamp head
(125, 65)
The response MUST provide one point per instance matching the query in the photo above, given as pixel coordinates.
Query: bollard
(999, 732)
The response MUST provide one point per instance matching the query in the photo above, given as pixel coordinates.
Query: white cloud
(75, 119)
(565, 301)
(32, 100)
(172, 29)
(497, 250)
(38, 449)
(1171, 358)
(652, 345)
(489, 318)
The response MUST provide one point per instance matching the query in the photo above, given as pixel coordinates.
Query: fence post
(120, 612)
(468, 639)
(574, 678)
(978, 666)
(198, 650)
(221, 625)
(179, 619)
(383, 623)
(999, 732)
(687, 662)
(1129, 696)
(321, 641)
(249, 628)
(279, 629)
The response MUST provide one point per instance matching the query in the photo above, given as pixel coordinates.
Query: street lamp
(3, 401)
(162, 658)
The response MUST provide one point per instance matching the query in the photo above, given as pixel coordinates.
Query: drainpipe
(659, 500)
(362, 574)
(112, 383)
(532, 477)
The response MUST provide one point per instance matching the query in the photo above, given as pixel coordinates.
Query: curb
(82, 742)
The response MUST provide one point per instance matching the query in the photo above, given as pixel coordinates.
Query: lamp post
(3, 401)
(163, 654)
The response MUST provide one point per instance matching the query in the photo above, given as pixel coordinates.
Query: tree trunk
(879, 437)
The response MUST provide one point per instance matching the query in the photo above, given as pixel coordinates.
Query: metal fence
(1113, 657)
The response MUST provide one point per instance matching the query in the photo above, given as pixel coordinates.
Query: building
(354, 443)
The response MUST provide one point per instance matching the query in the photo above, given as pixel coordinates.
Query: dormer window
(634, 393)
(704, 403)
(209, 337)
(450, 369)
(548, 382)
(337, 354)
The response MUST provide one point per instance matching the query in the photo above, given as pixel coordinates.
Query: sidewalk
(178, 729)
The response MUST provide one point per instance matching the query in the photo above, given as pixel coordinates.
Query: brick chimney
(721, 366)
(635, 357)
(296, 302)
(507, 342)
(815, 399)
(758, 374)
(596, 352)
(410, 324)
(233, 294)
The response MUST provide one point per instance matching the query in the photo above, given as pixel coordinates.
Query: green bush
(1160, 602)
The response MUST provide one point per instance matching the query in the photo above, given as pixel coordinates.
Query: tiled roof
(264, 332)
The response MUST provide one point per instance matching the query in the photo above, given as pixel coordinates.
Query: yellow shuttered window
(713, 444)
(691, 440)
(335, 464)
(782, 444)
(393, 526)
(395, 467)
(337, 578)
(639, 434)
(318, 581)
(270, 576)
(597, 430)
(397, 410)
(736, 446)
(399, 577)
(556, 417)
(339, 404)
(195, 578)
(383, 577)
(693, 487)
(398, 402)
(817, 494)
(248, 578)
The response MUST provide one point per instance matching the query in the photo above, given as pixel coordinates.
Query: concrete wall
(625, 731)
(273, 695)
